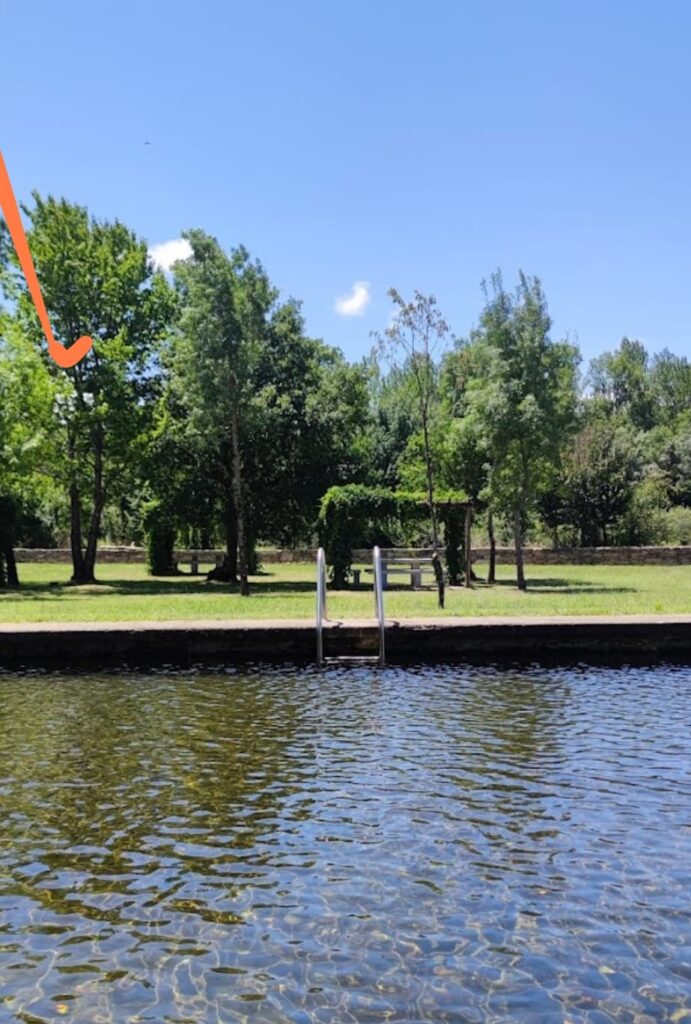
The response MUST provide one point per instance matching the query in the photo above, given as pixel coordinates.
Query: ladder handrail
(379, 601)
(321, 604)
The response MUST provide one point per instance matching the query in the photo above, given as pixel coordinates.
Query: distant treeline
(205, 415)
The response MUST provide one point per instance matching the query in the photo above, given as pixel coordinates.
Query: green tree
(669, 451)
(413, 342)
(471, 447)
(393, 422)
(97, 279)
(622, 379)
(27, 451)
(225, 301)
(309, 425)
(601, 468)
(670, 385)
(467, 455)
(465, 468)
(181, 493)
(522, 394)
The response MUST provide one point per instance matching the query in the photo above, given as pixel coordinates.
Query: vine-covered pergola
(349, 513)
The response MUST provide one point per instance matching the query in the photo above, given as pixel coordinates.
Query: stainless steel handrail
(379, 602)
(321, 604)
(321, 615)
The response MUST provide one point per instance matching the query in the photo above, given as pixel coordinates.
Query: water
(405, 845)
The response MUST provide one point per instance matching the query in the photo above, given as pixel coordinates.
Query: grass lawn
(125, 592)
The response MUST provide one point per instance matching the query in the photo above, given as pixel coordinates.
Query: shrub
(678, 525)
(644, 521)
(160, 540)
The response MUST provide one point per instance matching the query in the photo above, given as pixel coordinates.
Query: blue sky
(386, 142)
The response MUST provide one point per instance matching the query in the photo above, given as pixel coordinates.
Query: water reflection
(432, 845)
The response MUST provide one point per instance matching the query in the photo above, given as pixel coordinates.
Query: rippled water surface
(405, 845)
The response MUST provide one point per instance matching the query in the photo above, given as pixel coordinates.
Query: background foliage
(207, 416)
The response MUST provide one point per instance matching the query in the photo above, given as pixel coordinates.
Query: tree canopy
(207, 415)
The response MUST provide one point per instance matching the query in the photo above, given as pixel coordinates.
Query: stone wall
(558, 640)
(505, 555)
(105, 554)
(565, 556)
(134, 555)
(593, 556)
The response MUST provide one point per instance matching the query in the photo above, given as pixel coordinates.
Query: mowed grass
(127, 593)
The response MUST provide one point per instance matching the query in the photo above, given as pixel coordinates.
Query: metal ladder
(380, 658)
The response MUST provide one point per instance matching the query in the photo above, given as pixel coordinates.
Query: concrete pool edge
(549, 638)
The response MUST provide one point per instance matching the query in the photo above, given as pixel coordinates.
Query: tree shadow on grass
(264, 586)
(180, 586)
(35, 592)
(133, 588)
(574, 590)
(546, 585)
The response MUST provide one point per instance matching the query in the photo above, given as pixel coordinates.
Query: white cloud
(356, 302)
(165, 254)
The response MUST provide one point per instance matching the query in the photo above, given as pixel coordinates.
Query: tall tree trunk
(227, 572)
(76, 534)
(92, 542)
(467, 545)
(518, 539)
(8, 565)
(231, 557)
(75, 515)
(11, 564)
(453, 539)
(492, 571)
(239, 507)
(430, 486)
(95, 523)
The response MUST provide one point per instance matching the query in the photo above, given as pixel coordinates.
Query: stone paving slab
(436, 622)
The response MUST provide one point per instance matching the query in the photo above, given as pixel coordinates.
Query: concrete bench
(195, 558)
(415, 568)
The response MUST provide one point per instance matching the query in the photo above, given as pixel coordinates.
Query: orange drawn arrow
(64, 357)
